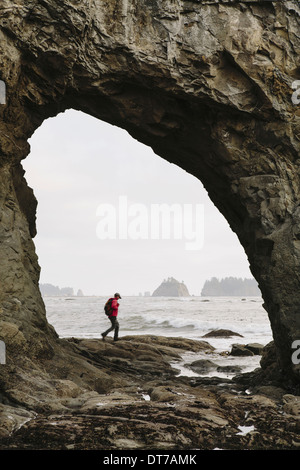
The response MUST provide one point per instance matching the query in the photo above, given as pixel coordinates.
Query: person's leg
(116, 330)
(111, 328)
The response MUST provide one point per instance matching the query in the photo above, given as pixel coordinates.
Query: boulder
(256, 348)
(240, 350)
(163, 394)
(291, 405)
(202, 365)
(247, 349)
(12, 336)
(221, 333)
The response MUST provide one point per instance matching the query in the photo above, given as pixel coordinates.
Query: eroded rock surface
(137, 400)
(210, 86)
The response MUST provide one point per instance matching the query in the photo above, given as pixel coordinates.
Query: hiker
(111, 309)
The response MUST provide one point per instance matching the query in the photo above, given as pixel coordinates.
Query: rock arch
(208, 85)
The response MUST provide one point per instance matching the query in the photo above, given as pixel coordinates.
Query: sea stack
(171, 288)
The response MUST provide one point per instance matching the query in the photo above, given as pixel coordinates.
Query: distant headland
(55, 291)
(230, 286)
(171, 288)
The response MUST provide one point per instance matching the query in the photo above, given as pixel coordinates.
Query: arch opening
(204, 141)
(77, 163)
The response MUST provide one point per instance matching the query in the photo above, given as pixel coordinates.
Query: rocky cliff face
(210, 86)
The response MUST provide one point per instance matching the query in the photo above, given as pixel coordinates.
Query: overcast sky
(79, 168)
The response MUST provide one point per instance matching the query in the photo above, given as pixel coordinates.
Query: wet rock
(292, 405)
(66, 388)
(164, 394)
(146, 355)
(256, 348)
(172, 344)
(12, 418)
(221, 333)
(104, 384)
(240, 350)
(232, 369)
(275, 393)
(134, 408)
(246, 349)
(202, 365)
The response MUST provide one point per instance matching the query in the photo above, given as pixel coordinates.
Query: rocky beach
(213, 87)
(129, 395)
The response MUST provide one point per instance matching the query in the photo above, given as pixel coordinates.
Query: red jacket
(115, 307)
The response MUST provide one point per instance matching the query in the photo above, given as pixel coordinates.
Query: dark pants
(114, 326)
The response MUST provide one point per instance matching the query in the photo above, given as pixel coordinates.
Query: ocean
(187, 317)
